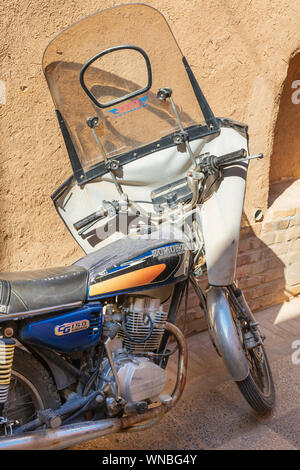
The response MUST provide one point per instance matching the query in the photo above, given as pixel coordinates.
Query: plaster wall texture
(239, 50)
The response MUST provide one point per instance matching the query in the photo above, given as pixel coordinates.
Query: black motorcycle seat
(42, 289)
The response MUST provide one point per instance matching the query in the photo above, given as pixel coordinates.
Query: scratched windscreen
(134, 122)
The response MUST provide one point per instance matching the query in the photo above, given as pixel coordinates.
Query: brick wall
(268, 265)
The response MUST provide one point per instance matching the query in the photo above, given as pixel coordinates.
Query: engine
(145, 319)
(143, 324)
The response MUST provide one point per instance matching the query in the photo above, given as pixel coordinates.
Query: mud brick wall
(239, 51)
(268, 266)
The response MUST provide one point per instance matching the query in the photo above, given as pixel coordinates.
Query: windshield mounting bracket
(182, 136)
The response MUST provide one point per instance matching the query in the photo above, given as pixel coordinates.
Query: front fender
(224, 334)
(221, 213)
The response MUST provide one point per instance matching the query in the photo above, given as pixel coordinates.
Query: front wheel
(258, 388)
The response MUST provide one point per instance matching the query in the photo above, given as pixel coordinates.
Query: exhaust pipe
(72, 434)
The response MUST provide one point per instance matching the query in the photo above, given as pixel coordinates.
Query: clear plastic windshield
(133, 122)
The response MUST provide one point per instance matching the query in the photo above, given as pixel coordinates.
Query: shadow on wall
(268, 264)
(260, 264)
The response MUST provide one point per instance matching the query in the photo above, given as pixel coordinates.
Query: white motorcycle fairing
(220, 214)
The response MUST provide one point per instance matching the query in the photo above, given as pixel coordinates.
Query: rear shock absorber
(7, 349)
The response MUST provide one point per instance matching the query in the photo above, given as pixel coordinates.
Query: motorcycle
(155, 199)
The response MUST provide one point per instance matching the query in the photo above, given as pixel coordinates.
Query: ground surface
(213, 415)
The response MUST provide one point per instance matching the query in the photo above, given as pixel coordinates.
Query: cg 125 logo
(72, 327)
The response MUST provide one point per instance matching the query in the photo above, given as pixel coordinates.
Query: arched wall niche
(285, 158)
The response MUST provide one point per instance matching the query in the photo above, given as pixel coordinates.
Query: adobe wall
(239, 51)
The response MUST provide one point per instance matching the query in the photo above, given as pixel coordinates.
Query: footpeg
(165, 399)
(136, 408)
(50, 418)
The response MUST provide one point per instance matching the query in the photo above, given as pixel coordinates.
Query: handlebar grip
(228, 158)
(90, 218)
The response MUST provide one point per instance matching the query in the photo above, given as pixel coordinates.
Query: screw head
(8, 332)
(259, 215)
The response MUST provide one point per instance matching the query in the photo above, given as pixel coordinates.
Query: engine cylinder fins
(7, 349)
(138, 328)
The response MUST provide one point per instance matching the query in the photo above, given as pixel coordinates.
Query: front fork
(252, 336)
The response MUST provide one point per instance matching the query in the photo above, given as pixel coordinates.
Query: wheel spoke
(255, 358)
(20, 405)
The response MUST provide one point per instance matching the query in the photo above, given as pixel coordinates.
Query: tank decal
(129, 280)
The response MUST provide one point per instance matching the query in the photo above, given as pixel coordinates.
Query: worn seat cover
(33, 290)
(118, 252)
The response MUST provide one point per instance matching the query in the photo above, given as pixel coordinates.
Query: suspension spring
(7, 348)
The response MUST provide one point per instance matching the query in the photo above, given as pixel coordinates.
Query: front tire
(258, 388)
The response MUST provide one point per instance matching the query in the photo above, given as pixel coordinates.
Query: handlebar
(89, 219)
(211, 164)
(229, 158)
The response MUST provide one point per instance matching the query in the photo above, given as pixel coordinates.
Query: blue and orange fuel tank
(158, 267)
(80, 328)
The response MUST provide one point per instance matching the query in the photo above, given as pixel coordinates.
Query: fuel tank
(157, 267)
(113, 270)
